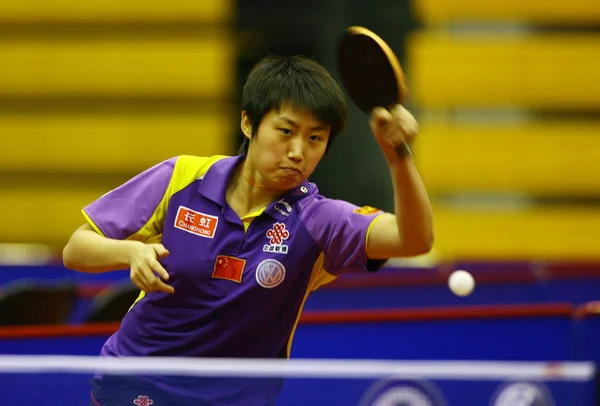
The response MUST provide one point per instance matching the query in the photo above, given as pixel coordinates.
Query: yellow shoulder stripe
(187, 169)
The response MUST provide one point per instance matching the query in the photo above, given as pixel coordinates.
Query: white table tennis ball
(461, 283)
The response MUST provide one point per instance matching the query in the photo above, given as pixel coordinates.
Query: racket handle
(404, 150)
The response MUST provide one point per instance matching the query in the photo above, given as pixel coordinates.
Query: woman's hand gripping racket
(375, 82)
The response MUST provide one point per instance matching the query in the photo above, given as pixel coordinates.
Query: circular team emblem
(402, 392)
(522, 394)
(270, 273)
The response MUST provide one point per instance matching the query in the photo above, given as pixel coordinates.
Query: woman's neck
(247, 191)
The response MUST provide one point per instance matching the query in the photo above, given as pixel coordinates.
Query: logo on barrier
(403, 392)
(522, 394)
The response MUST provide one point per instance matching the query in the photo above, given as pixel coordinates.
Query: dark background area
(354, 169)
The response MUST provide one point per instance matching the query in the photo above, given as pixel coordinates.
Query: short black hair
(299, 81)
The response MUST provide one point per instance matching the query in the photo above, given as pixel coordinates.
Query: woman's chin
(287, 183)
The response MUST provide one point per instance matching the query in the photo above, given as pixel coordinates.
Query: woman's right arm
(87, 251)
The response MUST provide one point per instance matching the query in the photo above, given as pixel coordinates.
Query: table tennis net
(76, 380)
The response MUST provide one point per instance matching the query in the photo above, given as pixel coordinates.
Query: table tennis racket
(371, 72)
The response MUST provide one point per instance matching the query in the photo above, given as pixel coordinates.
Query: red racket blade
(370, 71)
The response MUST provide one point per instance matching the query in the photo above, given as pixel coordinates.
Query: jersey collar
(283, 207)
(214, 183)
(214, 187)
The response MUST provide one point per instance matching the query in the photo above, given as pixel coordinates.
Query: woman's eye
(285, 131)
(316, 138)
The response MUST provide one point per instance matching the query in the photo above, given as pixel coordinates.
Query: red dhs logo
(195, 222)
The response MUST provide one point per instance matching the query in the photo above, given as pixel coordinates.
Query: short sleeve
(132, 211)
(340, 229)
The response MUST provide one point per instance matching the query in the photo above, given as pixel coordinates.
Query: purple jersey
(238, 292)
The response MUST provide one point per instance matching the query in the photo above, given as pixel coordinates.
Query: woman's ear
(246, 125)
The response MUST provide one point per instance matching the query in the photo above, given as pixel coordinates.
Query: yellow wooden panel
(105, 143)
(542, 158)
(45, 216)
(116, 10)
(199, 67)
(535, 233)
(543, 11)
(553, 71)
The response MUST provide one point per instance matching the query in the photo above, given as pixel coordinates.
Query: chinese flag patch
(366, 210)
(227, 267)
